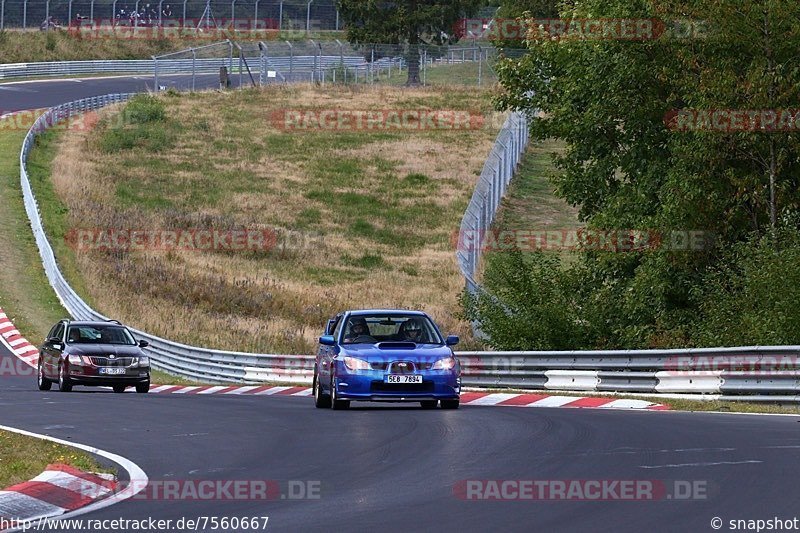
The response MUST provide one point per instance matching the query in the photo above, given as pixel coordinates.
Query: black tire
(321, 401)
(119, 389)
(143, 388)
(41, 381)
(429, 404)
(64, 383)
(337, 404)
(450, 404)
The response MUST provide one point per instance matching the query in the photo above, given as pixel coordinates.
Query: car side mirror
(53, 340)
(327, 340)
(143, 344)
(451, 340)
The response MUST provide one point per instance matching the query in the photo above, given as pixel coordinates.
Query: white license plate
(403, 378)
(112, 371)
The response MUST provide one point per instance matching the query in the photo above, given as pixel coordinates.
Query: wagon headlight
(448, 363)
(75, 360)
(356, 364)
(144, 361)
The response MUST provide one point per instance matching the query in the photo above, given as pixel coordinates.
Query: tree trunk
(413, 61)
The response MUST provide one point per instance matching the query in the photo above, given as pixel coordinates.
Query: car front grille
(107, 361)
(380, 386)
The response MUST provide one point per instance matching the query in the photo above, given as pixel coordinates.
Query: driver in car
(358, 328)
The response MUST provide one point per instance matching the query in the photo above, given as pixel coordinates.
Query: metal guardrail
(304, 64)
(754, 373)
(745, 373)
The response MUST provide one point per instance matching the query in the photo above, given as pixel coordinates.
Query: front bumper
(370, 385)
(89, 375)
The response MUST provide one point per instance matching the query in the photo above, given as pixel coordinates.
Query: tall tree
(405, 22)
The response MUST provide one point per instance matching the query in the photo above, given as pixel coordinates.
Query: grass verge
(24, 458)
(362, 218)
(25, 293)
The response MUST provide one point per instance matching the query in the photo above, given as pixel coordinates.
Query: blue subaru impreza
(386, 356)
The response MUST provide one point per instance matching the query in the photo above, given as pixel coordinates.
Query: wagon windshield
(99, 335)
(369, 329)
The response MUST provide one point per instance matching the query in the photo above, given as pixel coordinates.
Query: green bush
(752, 297)
(143, 124)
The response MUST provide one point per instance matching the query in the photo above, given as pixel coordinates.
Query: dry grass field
(362, 218)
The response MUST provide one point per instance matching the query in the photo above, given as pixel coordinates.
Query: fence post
(136, 18)
(233, 15)
(69, 14)
(337, 20)
(183, 23)
(230, 57)
(2, 15)
(291, 57)
(114, 14)
(24, 14)
(91, 11)
(194, 66)
(480, 67)
(255, 16)
(160, 13)
(47, 13)
(308, 17)
(280, 16)
(155, 73)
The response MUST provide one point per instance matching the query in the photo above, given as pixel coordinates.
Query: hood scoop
(397, 345)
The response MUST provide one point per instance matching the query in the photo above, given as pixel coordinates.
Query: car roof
(93, 323)
(385, 311)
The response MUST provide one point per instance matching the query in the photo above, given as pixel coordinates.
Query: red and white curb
(111, 495)
(467, 398)
(16, 343)
(56, 491)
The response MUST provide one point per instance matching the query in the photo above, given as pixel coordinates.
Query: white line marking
(212, 390)
(492, 399)
(704, 464)
(241, 390)
(554, 401)
(273, 390)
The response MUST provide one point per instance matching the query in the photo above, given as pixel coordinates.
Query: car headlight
(144, 361)
(353, 363)
(448, 363)
(75, 360)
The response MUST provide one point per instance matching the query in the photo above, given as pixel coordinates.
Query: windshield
(99, 335)
(369, 329)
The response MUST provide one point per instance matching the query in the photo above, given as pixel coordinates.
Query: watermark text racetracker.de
(556, 240)
(580, 489)
(13, 367)
(190, 239)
